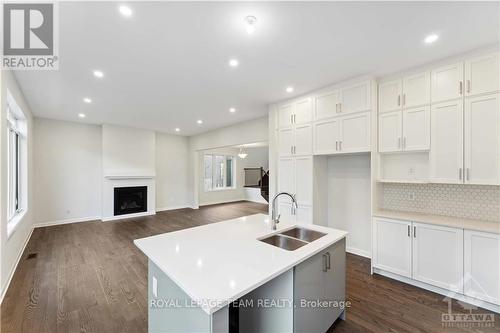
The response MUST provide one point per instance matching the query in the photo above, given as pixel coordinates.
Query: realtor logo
(29, 33)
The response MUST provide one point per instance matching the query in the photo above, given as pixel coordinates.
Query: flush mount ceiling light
(250, 22)
(125, 11)
(87, 100)
(98, 74)
(82, 115)
(242, 153)
(232, 110)
(431, 39)
(234, 62)
(199, 121)
(177, 129)
(289, 89)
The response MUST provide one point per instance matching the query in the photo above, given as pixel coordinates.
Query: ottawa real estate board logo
(30, 36)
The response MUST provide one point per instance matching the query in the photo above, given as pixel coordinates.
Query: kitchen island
(234, 276)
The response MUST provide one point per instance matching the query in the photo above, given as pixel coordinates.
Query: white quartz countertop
(446, 221)
(217, 263)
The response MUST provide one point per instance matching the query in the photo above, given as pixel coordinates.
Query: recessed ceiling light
(98, 74)
(177, 129)
(199, 121)
(234, 62)
(431, 39)
(82, 115)
(250, 22)
(125, 11)
(232, 110)
(289, 89)
(87, 100)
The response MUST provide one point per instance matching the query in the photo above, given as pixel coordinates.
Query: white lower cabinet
(482, 266)
(392, 246)
(438, 256)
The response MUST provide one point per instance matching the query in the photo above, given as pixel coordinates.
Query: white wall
(349, 200)
(128, 151)
(68, 171)
(172, 172)
(11, 248)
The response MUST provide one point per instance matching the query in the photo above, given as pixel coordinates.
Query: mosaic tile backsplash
(465, 201)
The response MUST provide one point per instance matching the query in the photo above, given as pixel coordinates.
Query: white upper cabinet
(482, 139)
(302, 140)
(286, 175)
(416, 90)
(447, 82)
(326, 136)
(392, 246)
(327, 105)
(285, 141)
(416, 129)
(303, 180)
(355, 98)
(482, 266)
(355, 133)
(446, 154)
(390, 96)
(285, 116)
(390, 131)
(482, 75)
(302, 113)
(438, 256)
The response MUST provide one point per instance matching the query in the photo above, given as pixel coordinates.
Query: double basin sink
(293, 239)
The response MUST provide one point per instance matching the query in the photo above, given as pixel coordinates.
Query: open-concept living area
(260, 167)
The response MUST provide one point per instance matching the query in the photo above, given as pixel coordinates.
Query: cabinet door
(355, 98)
(392, 246)
(389, 94)
(482, 266)
(303, 111)
(482, 140)
(417, 90)
(308, 284)
(303, 140)
(326, 137)
(285, 141)
(482, 75)
(285, 115)
(286, 177)
(335, 278)
(389, 132)
(355, 133)
(446, 155)
(438, 256)
(447, 83)
(304, 180)
(417, 128)
(326, 105)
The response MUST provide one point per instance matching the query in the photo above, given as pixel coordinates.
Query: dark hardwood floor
(89, 277)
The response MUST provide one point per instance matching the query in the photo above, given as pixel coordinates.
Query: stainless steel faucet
(276, 219)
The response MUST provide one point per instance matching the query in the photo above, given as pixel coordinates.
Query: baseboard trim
(361, 253)
(162, 209)
(68, 221)
(128, 216)
(16, 263)
(441, 291)
(221, 202)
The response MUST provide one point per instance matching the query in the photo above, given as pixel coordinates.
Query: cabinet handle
(340, 107)
(399, 100)
(414, 232)
(468, 86)
(294, 150)
(336, 146)
(294, 118)
(404, 142)
(291, 118)
(460, 87)
(409, 231)
(291, 150)
(399, 143)
(468, 174)
(460, 173)
(404, 99)
(325, 267)
(340, 145)
(328, 263)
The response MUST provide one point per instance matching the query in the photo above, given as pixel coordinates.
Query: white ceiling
(167, 65)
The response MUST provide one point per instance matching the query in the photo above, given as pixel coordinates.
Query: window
(218, 172)
(17, 163)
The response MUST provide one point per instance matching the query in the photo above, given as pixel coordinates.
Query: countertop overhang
(217, 263)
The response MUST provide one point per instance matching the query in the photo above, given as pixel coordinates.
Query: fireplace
(130, 200)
